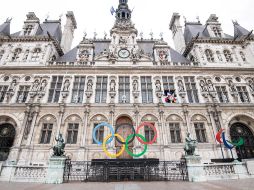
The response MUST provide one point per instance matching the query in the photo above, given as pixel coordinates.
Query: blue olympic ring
(100, 125)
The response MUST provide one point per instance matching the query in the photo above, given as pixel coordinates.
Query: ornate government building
(47, 88)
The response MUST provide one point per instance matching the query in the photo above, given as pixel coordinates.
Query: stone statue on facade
(180, 86)
(203, 86)
(158, 86)
(43, 85)
(210, 85)
(112, 85)
(232, 86)
(190, 145)
(13, 86)
(89, 85)
(251, 85)
(66, 86)
(35, 86)
(135, 85)
(58, 149)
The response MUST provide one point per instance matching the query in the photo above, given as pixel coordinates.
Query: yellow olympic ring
(105, 149)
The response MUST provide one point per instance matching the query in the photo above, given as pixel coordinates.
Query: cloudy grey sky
(155, 15)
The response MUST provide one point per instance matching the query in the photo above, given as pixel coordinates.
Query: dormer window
(36, 54)
(16, 54)
(228, 56)
(209, 55)
(28, 29)
(216, 31)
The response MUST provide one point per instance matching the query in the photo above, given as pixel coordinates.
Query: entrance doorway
(124, 127)
(238, 130)
(7, 135)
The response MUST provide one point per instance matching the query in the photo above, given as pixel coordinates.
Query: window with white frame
(124, 89)
(228, 55)
(78, 89)
(3, 91)
(175, 132)
(36, 54)
(191, 89)
(243, 93)
(200, 132)
(16, 54)
(168, 83)
(23, 94)
(55, 89)
(216, 31)
(146, 89)
(46, 133)
(222, 94)
(28, 29)
(101, 89)
(209, 55)
(72, 133)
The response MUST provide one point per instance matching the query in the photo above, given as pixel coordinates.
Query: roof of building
(101, 45)
(239, 30)
(5, 28)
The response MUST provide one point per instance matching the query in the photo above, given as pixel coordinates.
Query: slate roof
(239, 30)
(193, 28)
(5, 28)
(146, 45)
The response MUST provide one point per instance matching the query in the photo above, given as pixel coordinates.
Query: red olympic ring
(151, 126)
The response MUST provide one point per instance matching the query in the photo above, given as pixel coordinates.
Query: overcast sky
(148, 15)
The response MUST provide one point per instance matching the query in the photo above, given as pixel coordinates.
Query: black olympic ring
(133, 131)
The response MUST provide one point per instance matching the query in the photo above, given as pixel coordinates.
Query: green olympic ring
(127, 145)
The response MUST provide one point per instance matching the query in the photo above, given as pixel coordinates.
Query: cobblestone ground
(246, 184)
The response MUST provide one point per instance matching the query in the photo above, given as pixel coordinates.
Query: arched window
(7, 135)
(27, 30)
(1, 54)
(200, 132)
(26, 55)
(72, 133)
(242, 56)
(36, 54)
(209, 55)
(46, 133)
(238, 130)
(16, 54)
(175, 132)
(228, 56)
(216, 31)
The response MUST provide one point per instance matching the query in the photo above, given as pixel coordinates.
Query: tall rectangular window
(78, 89)
(222, 94)
(200, 132)
(99, 134)
(124, 90)
(243, 93)
(3, 90)
(72, 133)
(101, 89)
(146, 89)
(168, 83)
(149, 133)
(55, 89)
(22, 94)
(46, 133)
(192, 91)
(175, 132)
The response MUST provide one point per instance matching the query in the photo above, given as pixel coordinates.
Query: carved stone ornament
(180, 86)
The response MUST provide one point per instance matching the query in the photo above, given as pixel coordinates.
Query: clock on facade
(123, 53)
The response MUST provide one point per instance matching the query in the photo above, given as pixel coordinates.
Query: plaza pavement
(244, 184)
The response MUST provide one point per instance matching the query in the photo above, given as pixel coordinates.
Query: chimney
(177, 33)
(68, 33)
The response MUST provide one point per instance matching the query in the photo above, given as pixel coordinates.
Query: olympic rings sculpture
(129, 139)
(221, 138)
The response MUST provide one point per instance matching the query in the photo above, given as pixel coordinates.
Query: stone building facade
(48, 88)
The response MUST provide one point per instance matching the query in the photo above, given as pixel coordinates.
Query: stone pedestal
(250, 166)
(55, 170)
(195, 168)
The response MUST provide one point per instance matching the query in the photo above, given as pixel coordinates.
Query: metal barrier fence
(122, 170)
